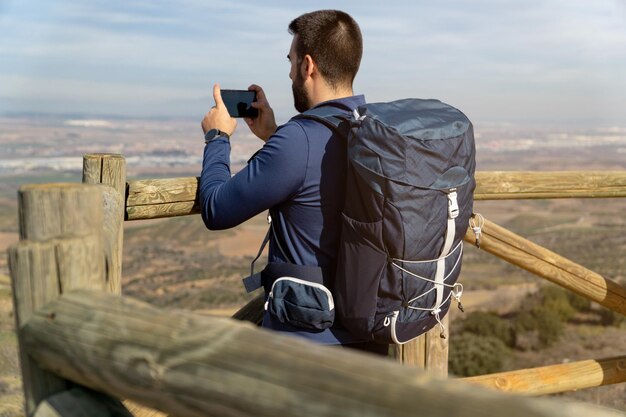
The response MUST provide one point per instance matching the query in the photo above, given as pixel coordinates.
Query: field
(177, 263)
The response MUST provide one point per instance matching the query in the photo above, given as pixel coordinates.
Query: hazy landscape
(177, 263)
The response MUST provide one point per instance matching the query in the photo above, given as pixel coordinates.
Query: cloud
(495, 57)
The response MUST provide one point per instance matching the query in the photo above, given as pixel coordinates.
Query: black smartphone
(239, 103)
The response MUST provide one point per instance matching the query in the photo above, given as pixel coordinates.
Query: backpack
(409, 196)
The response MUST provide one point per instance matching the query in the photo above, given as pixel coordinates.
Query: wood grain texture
(436, 349)
(557, 378)
(110, 171)
(159, 191)
(92, 169)
(428, 351)
(35, 281)
(40, 271)
(61, 248)
(113, 235)
(171, 197)
(105, 168)
(536, 259)
(502, 185)
(191, 365)
(158, 211)
(48, 211)
(412, 354)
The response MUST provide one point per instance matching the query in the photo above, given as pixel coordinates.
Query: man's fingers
(259, 104)
(217, 96)
(260, 94)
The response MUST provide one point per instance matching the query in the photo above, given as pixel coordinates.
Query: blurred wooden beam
(191, 365)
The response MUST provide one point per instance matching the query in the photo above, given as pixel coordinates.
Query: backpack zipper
(329, 295)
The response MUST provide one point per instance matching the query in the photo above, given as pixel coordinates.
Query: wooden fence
(75, 328)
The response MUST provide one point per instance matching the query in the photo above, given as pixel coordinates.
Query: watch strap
(214, 134)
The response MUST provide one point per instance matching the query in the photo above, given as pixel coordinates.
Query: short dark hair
(333, 39)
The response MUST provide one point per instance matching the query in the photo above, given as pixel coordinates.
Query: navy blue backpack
(409, 196)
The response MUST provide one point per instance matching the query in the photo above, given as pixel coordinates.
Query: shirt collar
(349, 103)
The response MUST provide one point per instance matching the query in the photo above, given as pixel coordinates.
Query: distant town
(40, 144)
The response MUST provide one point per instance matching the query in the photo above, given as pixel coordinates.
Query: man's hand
(218, 117)
(264, 125)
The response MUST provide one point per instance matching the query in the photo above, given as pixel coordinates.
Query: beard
(300, 97)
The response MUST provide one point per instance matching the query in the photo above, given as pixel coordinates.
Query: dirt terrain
(177, 263)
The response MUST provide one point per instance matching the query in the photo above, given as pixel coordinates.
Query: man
(299, 173)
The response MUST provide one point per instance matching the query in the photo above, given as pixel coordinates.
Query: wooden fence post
(60, 249)
(429, 351)
(110, 169)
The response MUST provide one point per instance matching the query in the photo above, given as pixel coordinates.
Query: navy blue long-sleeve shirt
(299, 175)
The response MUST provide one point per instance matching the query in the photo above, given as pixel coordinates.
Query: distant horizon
(60, 116)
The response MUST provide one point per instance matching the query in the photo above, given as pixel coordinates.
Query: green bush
(556, 299)
(471, 355)
(543, 321)
(489, 324)
(578, 302)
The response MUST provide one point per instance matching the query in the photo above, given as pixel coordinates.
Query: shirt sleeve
(275, 174)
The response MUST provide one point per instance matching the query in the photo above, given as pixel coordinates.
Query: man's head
(331, 41)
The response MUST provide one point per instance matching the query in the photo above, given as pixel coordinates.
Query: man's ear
(308, 66)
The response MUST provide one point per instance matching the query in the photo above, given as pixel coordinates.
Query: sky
(502, 61)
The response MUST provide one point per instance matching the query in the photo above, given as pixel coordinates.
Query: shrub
(471, 355)
(557, 300)
(544, 321)
(578, 302)
(489, 324)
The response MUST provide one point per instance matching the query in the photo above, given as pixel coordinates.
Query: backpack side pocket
(301, 303)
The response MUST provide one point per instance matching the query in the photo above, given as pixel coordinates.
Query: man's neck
(325, 93)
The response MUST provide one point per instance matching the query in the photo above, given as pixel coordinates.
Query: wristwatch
(213, 134)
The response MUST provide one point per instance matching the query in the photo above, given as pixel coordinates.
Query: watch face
(211, 134)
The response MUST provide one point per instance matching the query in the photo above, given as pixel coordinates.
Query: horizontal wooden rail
(170, 197)
(150, 199)
(191, 365)
(522, 252)
(557, 378)
(506, 185)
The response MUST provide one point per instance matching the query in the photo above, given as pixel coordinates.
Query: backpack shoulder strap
(330, 117)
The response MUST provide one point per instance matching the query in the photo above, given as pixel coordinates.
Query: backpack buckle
(453, 205)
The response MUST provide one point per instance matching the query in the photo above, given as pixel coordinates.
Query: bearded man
(299, 174)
